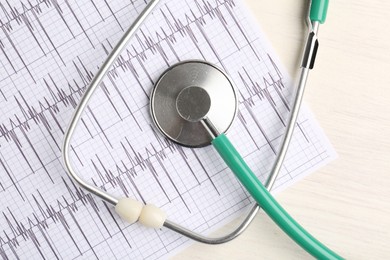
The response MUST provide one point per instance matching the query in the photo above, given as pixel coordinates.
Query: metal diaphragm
(206, 88)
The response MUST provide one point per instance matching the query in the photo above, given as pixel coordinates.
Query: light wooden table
(346, 204)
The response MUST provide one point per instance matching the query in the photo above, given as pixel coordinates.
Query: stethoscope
(193, 104)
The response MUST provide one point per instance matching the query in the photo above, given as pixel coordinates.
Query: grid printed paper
(50, 50)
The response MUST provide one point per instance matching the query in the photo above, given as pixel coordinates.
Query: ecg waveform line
(39, 117)
(44, 115)
(146, 43)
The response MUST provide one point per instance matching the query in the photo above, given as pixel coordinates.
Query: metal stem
(209, 126)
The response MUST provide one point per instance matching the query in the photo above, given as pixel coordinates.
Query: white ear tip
(129, 209)
(152, 216)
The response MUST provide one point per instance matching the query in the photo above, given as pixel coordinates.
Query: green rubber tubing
(318, 10)
(266, 201)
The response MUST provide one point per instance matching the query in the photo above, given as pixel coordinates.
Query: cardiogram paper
(50, 50)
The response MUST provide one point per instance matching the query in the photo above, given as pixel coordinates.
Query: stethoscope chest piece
(188, 92)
